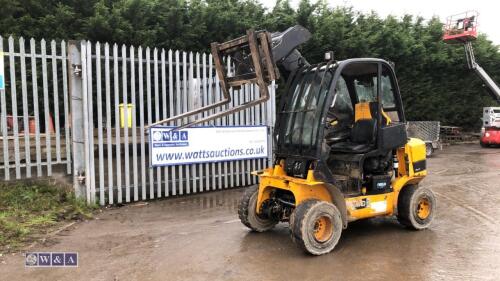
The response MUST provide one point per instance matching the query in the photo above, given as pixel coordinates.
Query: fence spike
(21, 45)
(53, 46)
(11, 40)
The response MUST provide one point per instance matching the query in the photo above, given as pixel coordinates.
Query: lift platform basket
(461, 28)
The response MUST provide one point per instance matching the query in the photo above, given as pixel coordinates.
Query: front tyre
(316, 226)
(416, 207)
(247, 211)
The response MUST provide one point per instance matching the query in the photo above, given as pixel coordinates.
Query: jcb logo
(360, 204)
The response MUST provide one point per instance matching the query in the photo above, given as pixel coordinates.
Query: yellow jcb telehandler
(341, 152)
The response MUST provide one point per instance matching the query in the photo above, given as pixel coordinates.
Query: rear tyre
(316, 226)
(247, 212)
(429, 150)
(416, 207)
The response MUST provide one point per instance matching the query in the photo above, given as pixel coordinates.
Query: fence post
(77, 120)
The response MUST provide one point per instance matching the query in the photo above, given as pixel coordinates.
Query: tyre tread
(298, 223)
(405, 214)
(244, 212)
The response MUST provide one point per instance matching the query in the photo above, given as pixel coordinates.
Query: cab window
(342, 100)
(387, 95)
(366, 88)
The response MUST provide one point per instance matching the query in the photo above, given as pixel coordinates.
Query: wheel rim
(423, 208)
(323, 229)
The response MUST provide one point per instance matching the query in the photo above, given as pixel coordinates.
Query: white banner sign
(206, 144)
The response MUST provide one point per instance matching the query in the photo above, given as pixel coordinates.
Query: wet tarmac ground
(200, 238)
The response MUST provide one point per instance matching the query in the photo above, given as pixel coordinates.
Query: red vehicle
(490, 137)
(462, 29)
(490, 133)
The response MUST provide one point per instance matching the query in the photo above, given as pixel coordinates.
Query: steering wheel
(335, 131)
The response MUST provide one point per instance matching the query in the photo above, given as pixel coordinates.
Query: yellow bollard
(130, 106)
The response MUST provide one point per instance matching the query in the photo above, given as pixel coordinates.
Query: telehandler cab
(341, 152)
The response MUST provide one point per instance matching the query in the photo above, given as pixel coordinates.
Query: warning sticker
(379, 207)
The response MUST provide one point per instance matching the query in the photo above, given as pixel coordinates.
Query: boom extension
(472, 64)
(254, 58)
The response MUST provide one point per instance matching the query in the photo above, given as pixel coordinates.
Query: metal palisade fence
(109, 94)
(35, 114)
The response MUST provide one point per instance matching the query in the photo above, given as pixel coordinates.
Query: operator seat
(363, 136)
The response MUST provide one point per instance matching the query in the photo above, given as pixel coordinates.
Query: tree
(433, 78)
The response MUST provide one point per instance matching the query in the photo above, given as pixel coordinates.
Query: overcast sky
(489, 10)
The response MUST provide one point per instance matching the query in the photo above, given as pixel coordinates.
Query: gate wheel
(247, 211)
(416, 207)
(316, 226)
